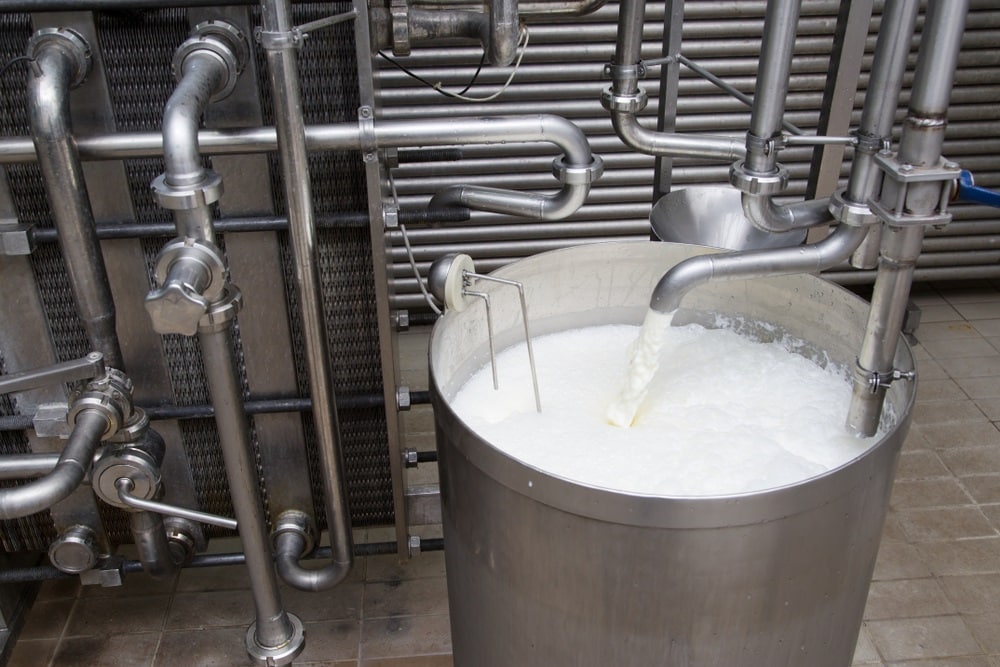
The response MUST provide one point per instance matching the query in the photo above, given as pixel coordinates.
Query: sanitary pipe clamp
(756, 183)
(221, 313)
(624, 103)
(576, 174)
(187, 197)
(222, 40)
(110, 395)
(298, 523)
(849, 212)
(71, 43)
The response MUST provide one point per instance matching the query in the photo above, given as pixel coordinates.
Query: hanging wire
(409, 251)
(13, 61)
(522, 43)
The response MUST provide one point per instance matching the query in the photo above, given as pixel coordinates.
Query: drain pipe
(625, 99)
(193, 295)
(294, 534)
(61, 61)
(916, 186)
(850, 206)
(759, 176)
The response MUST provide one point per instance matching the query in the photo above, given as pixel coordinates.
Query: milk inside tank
(547, 565)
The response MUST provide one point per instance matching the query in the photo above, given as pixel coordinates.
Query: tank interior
(229, 232)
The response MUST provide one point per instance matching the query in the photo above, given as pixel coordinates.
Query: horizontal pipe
(21, 575)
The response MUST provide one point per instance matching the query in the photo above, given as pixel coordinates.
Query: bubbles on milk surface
(722, 414)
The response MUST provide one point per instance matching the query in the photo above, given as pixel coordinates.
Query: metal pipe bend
(65, 478)
(203, 74)
(668, 144)
(525, 204)
(289, 548)
(690, 273)
(767, 216)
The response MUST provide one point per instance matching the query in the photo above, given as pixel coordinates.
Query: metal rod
(293, 155)
(60, 61)
(489, 330)
(84, 368)
(125, 487)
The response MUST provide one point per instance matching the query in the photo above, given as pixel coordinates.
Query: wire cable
(13, 61)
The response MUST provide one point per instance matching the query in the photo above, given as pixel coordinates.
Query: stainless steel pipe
(61, 61)
(292, 151)
(74, 462)
(920, 146)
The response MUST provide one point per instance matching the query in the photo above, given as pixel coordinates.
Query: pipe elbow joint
(680, 280)
(293, 539)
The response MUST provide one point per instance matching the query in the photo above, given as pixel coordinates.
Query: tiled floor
(935, 598)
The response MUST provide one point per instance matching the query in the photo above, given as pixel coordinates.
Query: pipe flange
(110, 395)
(575, 174)
(754, 183)
(129, 463)
(71, 43)
(624, 103)
(187, 197)
(298, 523)
(399, 12)
(278, 655)
(221, 313)
(194, 250)
(222, 40)
(849, 212)
(185, 538)
(75, 551)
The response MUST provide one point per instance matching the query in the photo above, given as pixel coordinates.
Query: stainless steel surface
(84, 368)
(125, 487)
(284, 78)
(664, 579)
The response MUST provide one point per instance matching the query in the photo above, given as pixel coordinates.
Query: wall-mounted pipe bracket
(294, 38)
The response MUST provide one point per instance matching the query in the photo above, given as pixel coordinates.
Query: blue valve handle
(968, 191)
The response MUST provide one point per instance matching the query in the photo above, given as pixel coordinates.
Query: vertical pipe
(780, 25)
(290, 124)
(923, 136)
(55, 71)
(273, 628)
(503, 31)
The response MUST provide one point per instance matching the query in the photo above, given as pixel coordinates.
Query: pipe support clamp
(897, 180)
(624, 103)
(576, 174)
(755, 183)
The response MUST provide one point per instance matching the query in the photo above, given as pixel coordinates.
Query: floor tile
(905, 598)
(936, 331)
(955, 348)
(59, 589)
(342, 602)
(47, 620)
(920, 464)
(922, 638)
(948, 412)
(967, 661)
(937, 312)
(227, 578)
(32, 652)
(972, 460)
(417, 661)
(405, 636)
(406, 598)
(210, 609)
(983, 488)
(976, 556)
(899, 560)
(987, 328)
(330, 641)
(969, 435)
(391, 568)
(119, 650)
(984, 629)
(945, 389)
(922, 525)
(985, 310)
(973, 593)
(928, 493)
(211, 647)
(980, 387)
(864, 652)
(968, 367)
(109, 616)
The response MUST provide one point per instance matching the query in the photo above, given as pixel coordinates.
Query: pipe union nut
(110, 395)
(622, 103)
(275, 656)
(75, 551)
(185, 198)
(754, 183)
(850, 213)
(577, 175)
(221, 313)
(69, 42)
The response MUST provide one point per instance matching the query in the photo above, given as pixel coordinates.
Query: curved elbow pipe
(203, 76)
(767, 216)
(667, 144)
(690, 273)
(523, 204)
(289, 548)
(65, 478)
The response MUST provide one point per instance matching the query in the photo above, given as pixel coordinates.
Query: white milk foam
(722, 415)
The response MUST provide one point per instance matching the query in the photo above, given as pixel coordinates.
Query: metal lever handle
(969, 191)
(125, 486)
(85, 368)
